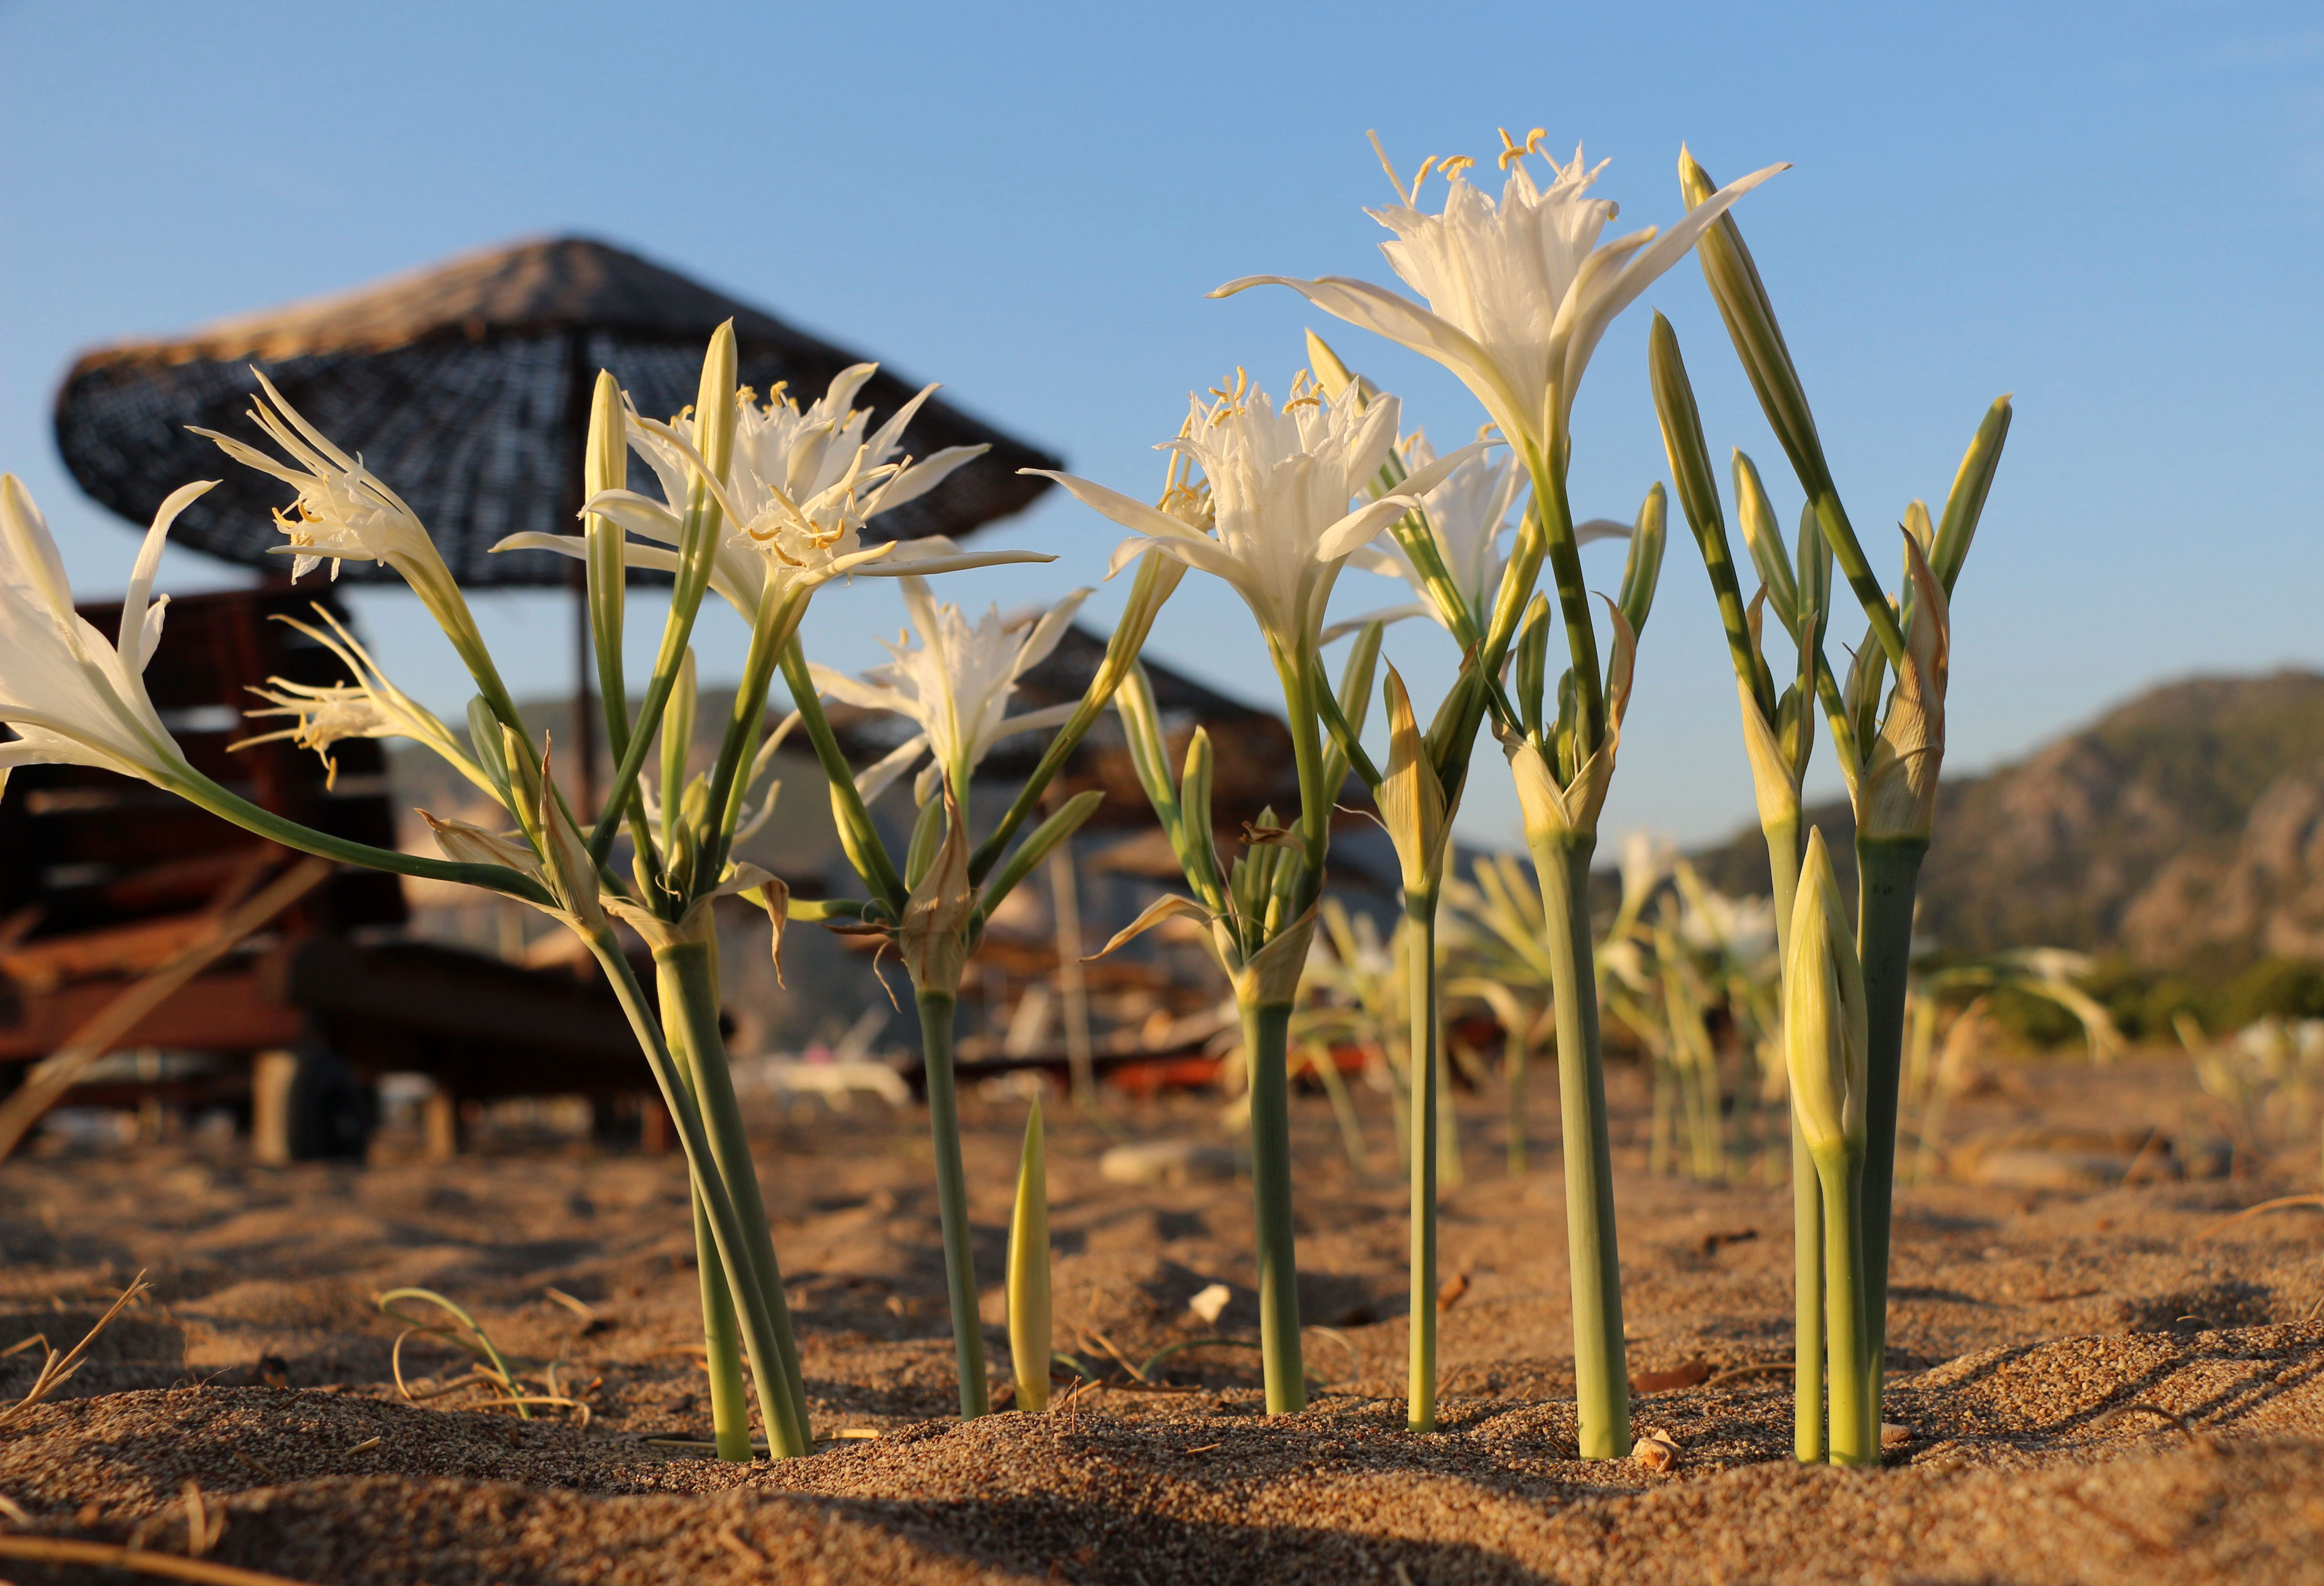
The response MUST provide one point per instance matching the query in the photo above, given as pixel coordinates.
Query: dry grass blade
(580, 1307)
(55, 1369)
(2282, 1203)
(499, 1375)
(203, 1528)
(60, 1550)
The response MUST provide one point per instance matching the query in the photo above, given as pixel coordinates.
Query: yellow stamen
(1512, 151)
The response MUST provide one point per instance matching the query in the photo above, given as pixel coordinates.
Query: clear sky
(2112, 210)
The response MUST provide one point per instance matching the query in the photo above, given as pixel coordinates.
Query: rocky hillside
(2183, 829)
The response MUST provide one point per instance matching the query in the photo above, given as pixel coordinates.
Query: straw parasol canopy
(466, 388)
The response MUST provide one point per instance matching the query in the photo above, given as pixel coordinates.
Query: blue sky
(2112, 210)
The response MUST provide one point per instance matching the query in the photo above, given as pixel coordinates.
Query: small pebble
(1656, 1451)
(1892, 1435)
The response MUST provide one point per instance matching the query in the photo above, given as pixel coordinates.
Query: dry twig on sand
(2282, 1203)
(57, 1369)
(113, 1555)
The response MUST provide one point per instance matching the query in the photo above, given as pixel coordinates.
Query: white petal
(1126, 510)
(972, 558)
(877, 777)
(1428, 475)
(134, 650)
(1383, 312)
(1362, 526)
(921, 477)
(1050, 629)
(640, 514)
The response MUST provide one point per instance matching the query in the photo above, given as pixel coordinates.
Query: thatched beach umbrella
(466, 387)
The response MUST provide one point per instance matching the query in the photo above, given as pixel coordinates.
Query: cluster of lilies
(764, 503)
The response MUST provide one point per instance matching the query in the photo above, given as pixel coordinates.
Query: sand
(2027, 1323)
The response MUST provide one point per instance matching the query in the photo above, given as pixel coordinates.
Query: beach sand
(2028, 1322)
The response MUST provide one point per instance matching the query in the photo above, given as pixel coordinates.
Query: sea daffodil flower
(1280, 484)
(71, 697)
(1467, 512)
(799, 490)
(370, 707)
(956, 683)
(344, 513)
(1519, 292)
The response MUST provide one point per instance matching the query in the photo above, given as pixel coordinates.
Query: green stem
(769, 632)
(1301, 691)
(721, 1343)
(1564, 553)
(1420, 970)
(197, 790)
(1601, 1372)
(697, 552)
(937, 1011)
(1266, 1034)
(696, 978)
(722, 1336)
(1807, 1203)
(1887, 871)
(1855, 1389)
(857, 834)
(759, 1326)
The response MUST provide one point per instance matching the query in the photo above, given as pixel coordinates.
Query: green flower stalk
(1029, 1341)
(1778, 737)
(1524, 354)
(1412, 806)
(1270, 516)
(76, 705)
(1825, 1035)
(955, 684)
(1890, 757)
(1562, 773)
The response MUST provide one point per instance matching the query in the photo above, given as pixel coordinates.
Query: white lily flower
(1280, 484)
(1519, 292)
(371, 707)
(800, 487)
(1647, 860)
(956, 683)
(1467, 512)
(344, 513)
(71, 697)
(1739, 929)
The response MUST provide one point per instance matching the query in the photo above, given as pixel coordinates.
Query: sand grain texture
(2094, 1393)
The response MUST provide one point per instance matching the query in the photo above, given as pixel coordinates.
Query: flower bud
(1412, 797)
(1029, 1270)
(1826, 1029)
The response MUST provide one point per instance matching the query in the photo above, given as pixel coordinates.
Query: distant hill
(2184, 829)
